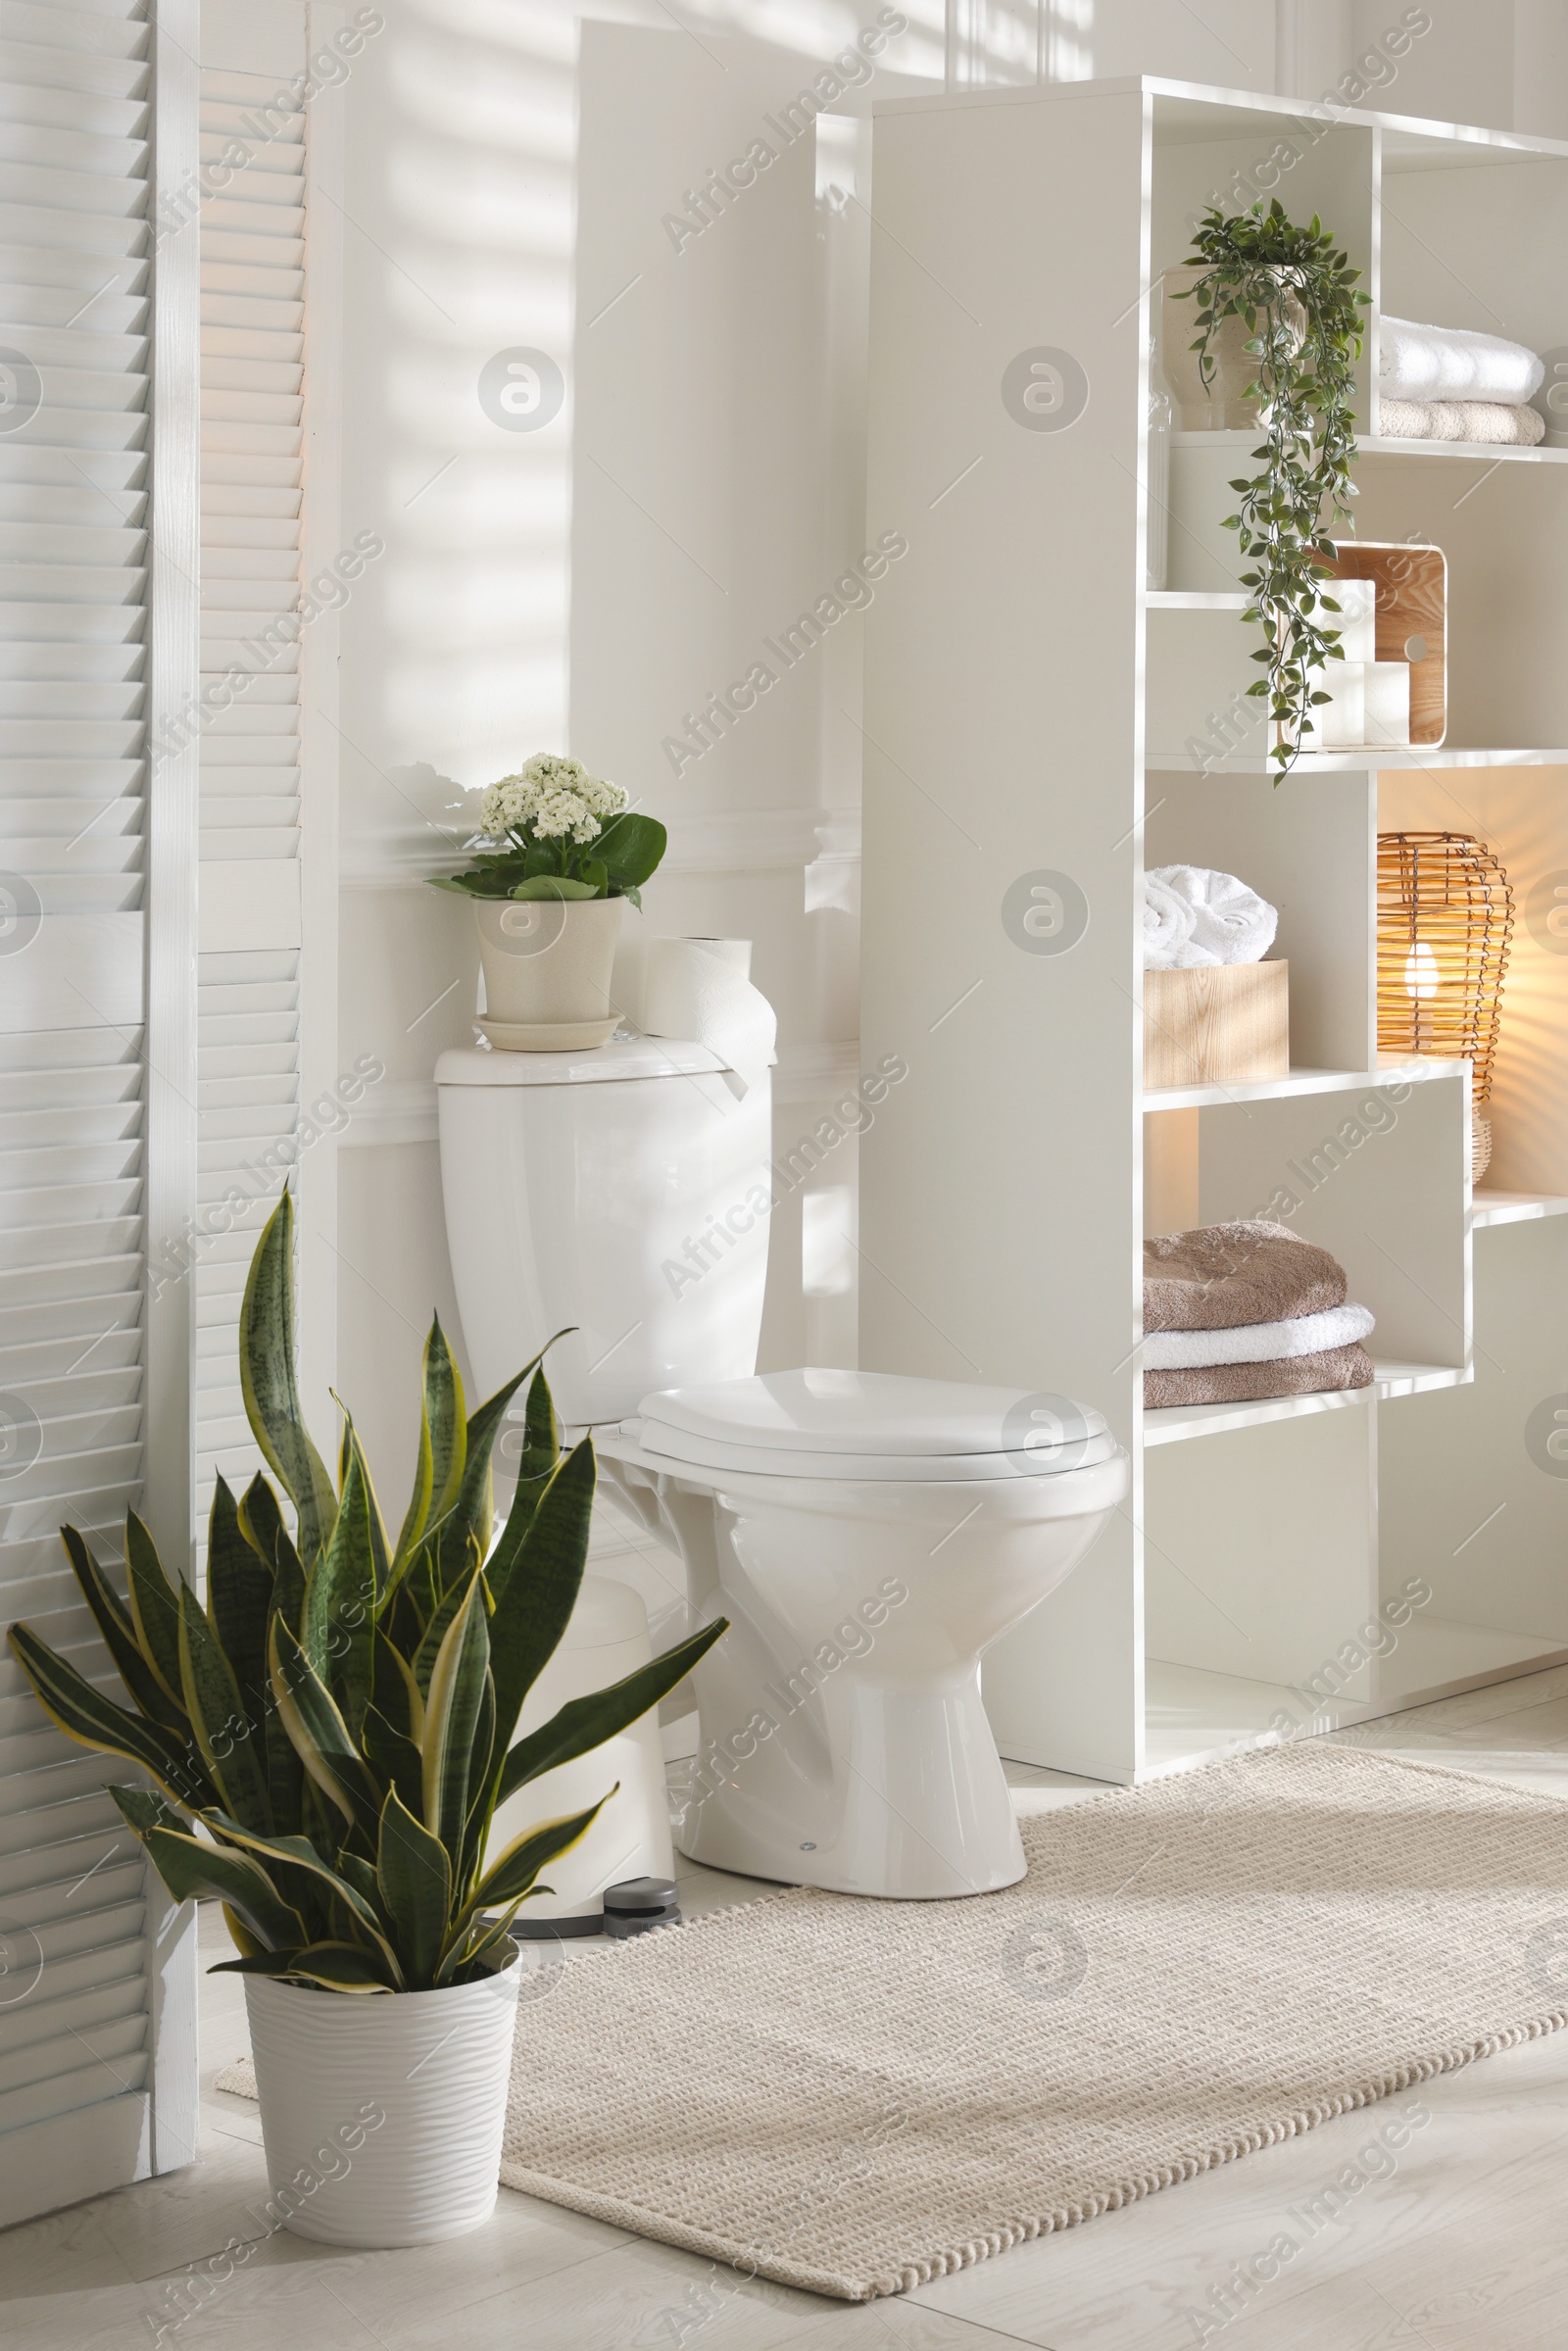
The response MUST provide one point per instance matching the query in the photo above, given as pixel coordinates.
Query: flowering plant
(560, 832)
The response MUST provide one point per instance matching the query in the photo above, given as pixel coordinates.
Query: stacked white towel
(1452, 362)
(1195, 917)
(1257, 1341)
(1448, 383)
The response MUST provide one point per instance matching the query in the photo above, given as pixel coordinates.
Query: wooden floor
(1462, 2247)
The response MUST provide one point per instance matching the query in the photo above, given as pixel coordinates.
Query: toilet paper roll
(691, 993)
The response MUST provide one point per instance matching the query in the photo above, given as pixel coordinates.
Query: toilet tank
(625, 1191)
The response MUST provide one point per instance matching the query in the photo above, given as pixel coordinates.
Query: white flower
(561, 811)
(549, 797)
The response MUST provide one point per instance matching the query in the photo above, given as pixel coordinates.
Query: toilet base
(858, 1787)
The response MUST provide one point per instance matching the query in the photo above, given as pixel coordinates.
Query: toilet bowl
(867, 1536)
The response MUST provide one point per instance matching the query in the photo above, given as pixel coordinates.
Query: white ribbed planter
(433, 2064)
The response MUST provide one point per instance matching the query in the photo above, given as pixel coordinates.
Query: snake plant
(328, 1740)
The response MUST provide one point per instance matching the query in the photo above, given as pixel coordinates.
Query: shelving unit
(1017, 665)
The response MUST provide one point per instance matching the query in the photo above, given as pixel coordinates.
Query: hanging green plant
(1297, 300)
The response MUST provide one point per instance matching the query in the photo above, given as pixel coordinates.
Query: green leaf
(416, 1880)
(84, 1714)
(239, 1601)
(472, 1513)
(340, 1598)
(196, 1872)
(445, 1420)
(631, 846)
(539, 1586)
(341, 1967)
(509, 1877)
(584, 1724)
(554, 885)
(394, 1758)
(219, 1718)
(319, 1733)
(154, 1606)
(298, 1853)
(536, 1466)
(120, 1640)
(452, 1713)
(269, 1384)
(395, 1690)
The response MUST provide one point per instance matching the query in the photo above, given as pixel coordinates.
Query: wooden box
(1412, 598)
(1216, 1027)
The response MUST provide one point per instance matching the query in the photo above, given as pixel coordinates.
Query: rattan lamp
(1445, 924)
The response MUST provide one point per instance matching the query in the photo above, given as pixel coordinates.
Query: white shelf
(1295, 1082)
(1173, 1423)
(1513, 1207)
(1197, 600)
(1364, 758)
(1192, 1717)
(1474, 453)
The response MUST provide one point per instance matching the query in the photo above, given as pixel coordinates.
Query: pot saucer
(549, 1036)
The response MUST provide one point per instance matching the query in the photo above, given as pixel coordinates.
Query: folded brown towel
(1224, 1274)
(1244, 1383)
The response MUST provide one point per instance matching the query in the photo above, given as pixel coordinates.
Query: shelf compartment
(1174, 1424)
(1489, 1208)
(1193, 1716)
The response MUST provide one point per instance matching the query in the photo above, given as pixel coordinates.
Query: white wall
(586, 585)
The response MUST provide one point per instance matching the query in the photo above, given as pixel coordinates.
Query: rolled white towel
(1453, 363)
(1256, 1342)
(1168, 919)
(1492, 422)
(1231, 921)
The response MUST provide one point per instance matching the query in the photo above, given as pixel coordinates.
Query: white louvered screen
(84, 1985)
(253, 295)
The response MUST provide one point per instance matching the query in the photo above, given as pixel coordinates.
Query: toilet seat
(870, 1427)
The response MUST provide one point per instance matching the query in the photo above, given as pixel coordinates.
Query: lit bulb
(1421, 978)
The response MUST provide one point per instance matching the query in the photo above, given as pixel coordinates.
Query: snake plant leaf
(196, 1872)
(416, 1880)
(537, 1464)
(357, 1896)
(338, 1628)
(239, 1601)
(352, 1453)
(473, 1512)
(84, 1714)
(486, 1754)
(394, 1758)
(341, 1967)
(539, 1586)
(109, 1614)
(254, 1962)
(451, 1711)
(445, 1418)
(234, 1762)
(319, 1731)
(583, 1724)
(440, 1624)
(146, 1810)
(395, 1691)
(509, 1877)
(154, 1605)
(270, 1388)
(418, 1510)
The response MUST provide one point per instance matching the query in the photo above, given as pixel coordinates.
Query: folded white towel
(1168, 919)
(1452, 362)
(1256, 1342)
(1230, 924)
(1492, 421)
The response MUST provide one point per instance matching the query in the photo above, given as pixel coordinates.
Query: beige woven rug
(857, 2096)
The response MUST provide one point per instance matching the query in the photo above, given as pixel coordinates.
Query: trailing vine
(1296, 295)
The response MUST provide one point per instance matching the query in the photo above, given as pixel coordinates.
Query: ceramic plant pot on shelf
(383, 2113)
(1221, 405)
(547, 966)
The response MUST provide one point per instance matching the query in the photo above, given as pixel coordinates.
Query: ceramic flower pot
(547, 966)
(1220, 405)
(382, 2114)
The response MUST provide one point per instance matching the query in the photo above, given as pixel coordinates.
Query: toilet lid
(822, 1423)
